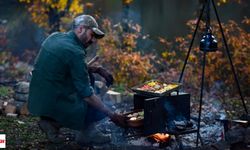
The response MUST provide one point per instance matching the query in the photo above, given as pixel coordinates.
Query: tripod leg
(191, 44)
(229, 57)
(201, 94)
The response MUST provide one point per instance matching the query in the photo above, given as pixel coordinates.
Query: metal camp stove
(161, 111)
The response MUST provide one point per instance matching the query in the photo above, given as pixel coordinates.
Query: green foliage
(22, 132)
(4, 91)
(119, 88)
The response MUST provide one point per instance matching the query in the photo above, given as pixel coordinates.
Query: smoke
(172, 115)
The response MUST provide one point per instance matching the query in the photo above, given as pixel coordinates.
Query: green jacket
(60, 81)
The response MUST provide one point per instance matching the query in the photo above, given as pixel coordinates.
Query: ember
(160, 137)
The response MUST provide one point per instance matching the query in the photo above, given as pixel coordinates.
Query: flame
(127, 1)
(160, 137)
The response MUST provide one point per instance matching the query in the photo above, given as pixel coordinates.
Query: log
(10, 108)
(24, 109)
(114, 96)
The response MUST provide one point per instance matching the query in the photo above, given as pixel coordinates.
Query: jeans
(92, 115)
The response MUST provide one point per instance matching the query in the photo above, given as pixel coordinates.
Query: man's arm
(103, 73)
(79, 72)
(94, 101)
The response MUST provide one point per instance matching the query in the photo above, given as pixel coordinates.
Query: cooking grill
(154, 90)
(161, 110)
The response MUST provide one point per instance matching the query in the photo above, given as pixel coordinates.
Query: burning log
(160, 137)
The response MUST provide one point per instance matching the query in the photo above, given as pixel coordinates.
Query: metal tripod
(207, 5)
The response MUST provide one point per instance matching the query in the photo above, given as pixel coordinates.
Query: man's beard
(84, 40)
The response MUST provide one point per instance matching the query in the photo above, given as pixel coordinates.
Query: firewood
(114, 96)
(24, 109)
(10, 108)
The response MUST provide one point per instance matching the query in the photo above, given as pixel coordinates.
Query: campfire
(160, 137)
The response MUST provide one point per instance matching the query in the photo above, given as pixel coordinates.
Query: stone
(11, 115)
(21, 97)
(100, 88)
(22, 87)
(10, 100)
(10, 108)
(114, 96)
(5, 104)
(1, 103)
(22, 91)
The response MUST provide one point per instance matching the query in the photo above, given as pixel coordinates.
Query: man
(60, 91)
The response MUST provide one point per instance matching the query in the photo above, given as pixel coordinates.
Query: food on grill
(157, 87)
(136, 116)
(133, 118)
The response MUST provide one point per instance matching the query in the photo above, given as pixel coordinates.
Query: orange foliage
(119, 55)
(217, 63)
(66, 10)
(220, 2)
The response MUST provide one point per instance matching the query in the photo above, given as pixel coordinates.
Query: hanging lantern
(208, 42)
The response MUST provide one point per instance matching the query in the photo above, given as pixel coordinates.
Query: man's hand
(119, 120)
(96, 102)
(106, 75)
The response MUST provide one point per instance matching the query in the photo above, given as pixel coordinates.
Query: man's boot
(51, 131)
(92, 136)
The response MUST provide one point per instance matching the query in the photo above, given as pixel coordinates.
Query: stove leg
(179, 142)
(199, 136)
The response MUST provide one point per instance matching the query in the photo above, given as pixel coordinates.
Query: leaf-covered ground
(23, 133)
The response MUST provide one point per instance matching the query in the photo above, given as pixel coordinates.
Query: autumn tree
(53, 15)
(128, 65)
(117, 49)
(218, 66)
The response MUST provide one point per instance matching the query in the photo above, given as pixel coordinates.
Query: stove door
(154, 116)
(177, 107)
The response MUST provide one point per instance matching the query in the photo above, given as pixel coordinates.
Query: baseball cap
(89, 22)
